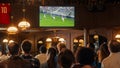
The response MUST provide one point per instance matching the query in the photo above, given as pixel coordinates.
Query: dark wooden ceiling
(88, 13)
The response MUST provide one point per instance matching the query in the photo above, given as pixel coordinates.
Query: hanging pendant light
(12, 30)
(117, 36)
(24, 24)
(48, 40)
(5, 40)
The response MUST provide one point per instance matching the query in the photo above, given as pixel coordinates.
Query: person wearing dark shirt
(14, 61)
(26, 47)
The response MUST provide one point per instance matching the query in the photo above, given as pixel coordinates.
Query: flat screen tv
(56, 16)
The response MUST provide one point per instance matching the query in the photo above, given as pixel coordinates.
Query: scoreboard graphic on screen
(4, 13)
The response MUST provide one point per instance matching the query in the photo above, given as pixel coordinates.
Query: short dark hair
(51, 61)
(13, 48)
(26, 46)
(66, 58)
(114, 46)
(104, 51)
(85, 56)
(43, 49)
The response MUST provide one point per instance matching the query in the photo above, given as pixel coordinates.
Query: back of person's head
(114, 46)
(61, 46)
(43, 49)
(76, 53)
(13, 48)
(85, 56)
(66, 58)
(104, 51)
(52, 55)
(52, 51)
(26, 46)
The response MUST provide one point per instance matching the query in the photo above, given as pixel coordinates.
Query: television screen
(56, 16)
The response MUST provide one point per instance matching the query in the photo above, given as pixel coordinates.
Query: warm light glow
(61, 39)
(118, 40)
(75, 41)
(5, 40)
(81, 41)
(11, 41)
(40, 42)
(95, 36)
(117, 36)
(12, 30)
(48, 40)
(24, 25)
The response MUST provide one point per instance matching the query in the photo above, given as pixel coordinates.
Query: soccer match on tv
(56, 16)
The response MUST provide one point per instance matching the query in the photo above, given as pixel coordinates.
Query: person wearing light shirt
(113, 60)
(42, 56)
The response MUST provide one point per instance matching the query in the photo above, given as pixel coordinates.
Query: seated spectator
(14, 60)
(26, 47)
(113, 60)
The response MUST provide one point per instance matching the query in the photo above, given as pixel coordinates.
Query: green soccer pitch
(48, 21)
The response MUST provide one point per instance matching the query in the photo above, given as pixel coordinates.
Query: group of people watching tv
(60, 56)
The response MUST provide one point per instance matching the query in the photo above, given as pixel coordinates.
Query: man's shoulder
(40, 56)
(34, 59)
(107, 60)
(15, 61)
(2, 65)
(3, 62)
